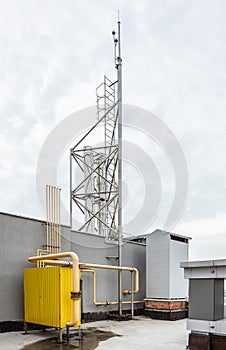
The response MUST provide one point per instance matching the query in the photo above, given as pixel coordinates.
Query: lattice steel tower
(98, 194)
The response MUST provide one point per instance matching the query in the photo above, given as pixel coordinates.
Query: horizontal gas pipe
(75, 281)
(93, 266)
(58, 262)
(121, 268)
(105, 303)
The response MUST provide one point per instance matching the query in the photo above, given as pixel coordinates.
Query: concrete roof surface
(138, 334)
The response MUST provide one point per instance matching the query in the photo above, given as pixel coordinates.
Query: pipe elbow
(136, 287)
(127, 291)
(72, 323)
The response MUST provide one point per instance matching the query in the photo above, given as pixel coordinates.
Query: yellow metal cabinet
(47, 296)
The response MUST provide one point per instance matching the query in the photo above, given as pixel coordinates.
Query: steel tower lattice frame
(99, 186)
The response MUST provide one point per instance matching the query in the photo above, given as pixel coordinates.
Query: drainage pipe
(75, 282)
(132, 304)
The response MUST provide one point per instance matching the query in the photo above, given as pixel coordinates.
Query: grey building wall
(95, 249)
(20, 238)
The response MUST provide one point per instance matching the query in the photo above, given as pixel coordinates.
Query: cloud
(208, 236)
(54, 54)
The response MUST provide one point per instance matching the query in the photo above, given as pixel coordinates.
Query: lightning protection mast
(118, 65)
(97, 191)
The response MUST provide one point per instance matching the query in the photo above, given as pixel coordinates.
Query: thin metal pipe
(75, 281)
(68, 333)
(59, 220)
(57, 223)
(71, 198)
(61, 336)
(53, 219)
(51, 208)
(56, 220)
(47, 218)
(54, 207)
(40, 252)
(119, 76)
(105, 303)
(132, 306)
(50, 227)
(107, 267)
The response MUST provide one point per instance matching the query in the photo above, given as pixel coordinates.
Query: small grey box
(206, 299)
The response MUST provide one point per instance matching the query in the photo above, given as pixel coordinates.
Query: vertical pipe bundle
(52, 219)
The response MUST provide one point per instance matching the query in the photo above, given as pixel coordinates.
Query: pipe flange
(76, 295)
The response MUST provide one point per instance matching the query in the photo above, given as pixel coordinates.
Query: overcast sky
(55, 53)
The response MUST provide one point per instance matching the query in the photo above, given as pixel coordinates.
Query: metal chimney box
(164, 277)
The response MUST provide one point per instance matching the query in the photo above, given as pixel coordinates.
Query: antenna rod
(119, 74)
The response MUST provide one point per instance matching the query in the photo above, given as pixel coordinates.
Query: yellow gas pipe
(121, 268)
(58, 262)
(98, 266)
(105, 303)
